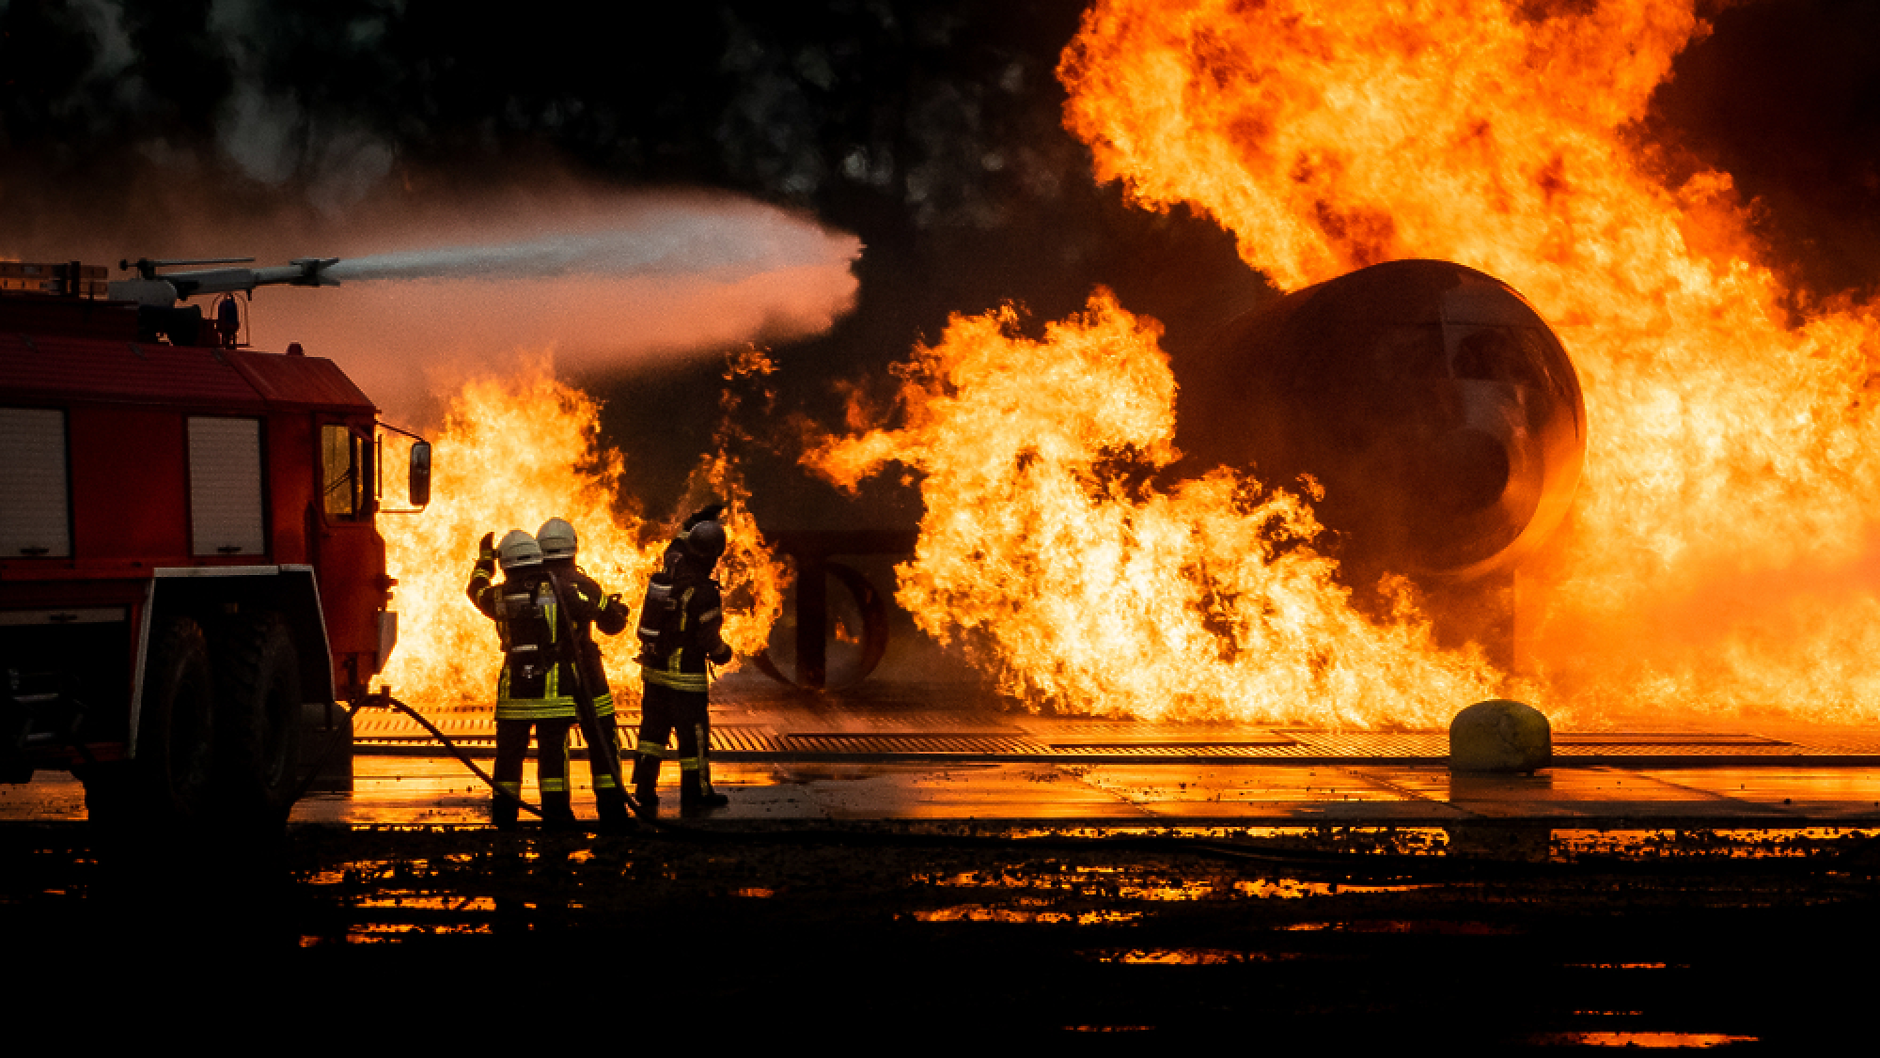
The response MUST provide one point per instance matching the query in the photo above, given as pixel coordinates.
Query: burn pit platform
(770, 732)
(950, 751)
(911, 750)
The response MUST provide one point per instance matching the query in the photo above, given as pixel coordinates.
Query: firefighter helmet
(706, 540)
(518, 549)
(556, 538)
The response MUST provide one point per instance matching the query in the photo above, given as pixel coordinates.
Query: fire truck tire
(258, 700)
(171, 778)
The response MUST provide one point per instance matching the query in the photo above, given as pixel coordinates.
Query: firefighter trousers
(663, 712)
(551, 768)
(603, 741)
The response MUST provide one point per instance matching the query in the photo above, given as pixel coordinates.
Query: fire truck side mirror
(421, 473)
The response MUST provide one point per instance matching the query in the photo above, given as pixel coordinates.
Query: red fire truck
(190, 571)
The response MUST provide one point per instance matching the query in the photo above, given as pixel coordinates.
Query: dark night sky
(931, 131)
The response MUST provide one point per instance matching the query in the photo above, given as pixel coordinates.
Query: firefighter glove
(486, 548)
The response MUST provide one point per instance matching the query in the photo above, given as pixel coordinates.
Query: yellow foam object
(1500, 735)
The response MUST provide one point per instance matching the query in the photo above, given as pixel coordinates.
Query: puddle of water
(1023, 916)
(1100, 880)
(1295, 889)
(1659, 1040)
(1402, 841)
(1104, 881)
(394, 932)
(358, 872)
(1786, 843)
(1434, 927)
(1188, 957)
(1170, 893)
(426, 902)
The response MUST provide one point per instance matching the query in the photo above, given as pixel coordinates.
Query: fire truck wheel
(258, 696)
(173, 767)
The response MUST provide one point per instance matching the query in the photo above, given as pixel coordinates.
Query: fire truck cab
(191, 576)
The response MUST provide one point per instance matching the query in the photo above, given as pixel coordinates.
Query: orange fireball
(1717, 557)
(1716, 560)
(1085, 587)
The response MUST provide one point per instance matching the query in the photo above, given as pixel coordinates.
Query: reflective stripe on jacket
(701, 616)
(536, 682)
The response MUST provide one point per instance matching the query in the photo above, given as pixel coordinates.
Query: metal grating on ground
(913, 743)
(875, 721)
(1680, 749)
(1660, 738)
(384, 723)
(743, 738)
(1367, 744)
(870, 733)
(1159, 749)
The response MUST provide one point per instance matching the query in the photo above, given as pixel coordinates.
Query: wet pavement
(916, 863)
(913, 751)
(951, 751)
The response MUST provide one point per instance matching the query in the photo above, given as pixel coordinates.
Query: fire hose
(383, 700)
(584, 707)
(583, 699)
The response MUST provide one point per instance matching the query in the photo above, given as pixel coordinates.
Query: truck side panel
(292, 470)
(129, 459)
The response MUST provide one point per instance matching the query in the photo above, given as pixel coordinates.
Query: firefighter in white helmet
(590, 607)
(679, 641)
(533, 690)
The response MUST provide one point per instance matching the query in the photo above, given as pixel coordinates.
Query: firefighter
(533, 690)
(679, 641)
(590, 607)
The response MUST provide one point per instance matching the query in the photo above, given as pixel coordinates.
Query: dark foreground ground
(909, 870)
(942, 932)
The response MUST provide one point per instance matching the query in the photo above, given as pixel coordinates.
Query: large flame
(1719, 557)
(513, 452)
(1732, 477)
(1085, 586)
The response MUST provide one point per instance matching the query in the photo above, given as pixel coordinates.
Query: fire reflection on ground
(1188, 957)
(1640, 1039)
(1171, 931)
(1022, 915)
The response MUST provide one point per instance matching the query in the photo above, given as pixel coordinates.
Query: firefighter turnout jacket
(589, 608)
(680, 625)
(537, 682)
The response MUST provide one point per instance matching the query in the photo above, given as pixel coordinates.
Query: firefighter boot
(503, 810)
(646, 783)
(557, 813)
(695, 791)
(612, 805)
(695, 774)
